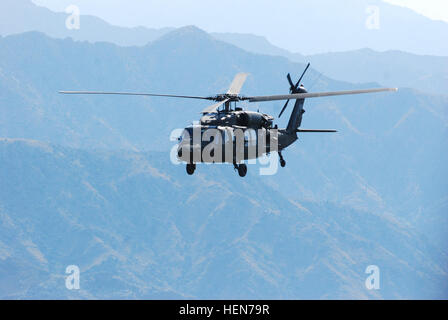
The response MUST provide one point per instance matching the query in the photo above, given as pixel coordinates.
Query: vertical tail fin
(295, 121)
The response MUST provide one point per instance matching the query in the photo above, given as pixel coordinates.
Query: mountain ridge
(304, 27)
(20, 16)
(375, 193)
(423, 72)
(165, 251)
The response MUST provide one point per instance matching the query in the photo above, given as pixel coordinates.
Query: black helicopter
(233, 135)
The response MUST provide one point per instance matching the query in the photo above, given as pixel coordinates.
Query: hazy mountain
(257, 44)
(18, 16)
(188, 61)
(308, 27)
(389, 68)
(375, 193)
(217, 236)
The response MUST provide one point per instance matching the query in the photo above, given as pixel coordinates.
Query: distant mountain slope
(389, 68)
(188, 61)
(308, 27)
(257, 44)
(390, 153)
(140, 228)
(401, 135)
(374, 193)
(18, 16)
(399, 28)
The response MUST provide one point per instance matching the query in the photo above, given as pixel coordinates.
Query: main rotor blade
(315, 95)
(237, 83)
(316, 130)
(214, 107)
(136, 94)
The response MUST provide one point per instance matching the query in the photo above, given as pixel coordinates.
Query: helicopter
(227, 133)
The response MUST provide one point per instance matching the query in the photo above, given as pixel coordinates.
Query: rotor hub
(227, 96)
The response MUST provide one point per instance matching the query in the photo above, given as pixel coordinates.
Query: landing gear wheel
(282, 163)
(242, 170)
(190, 168)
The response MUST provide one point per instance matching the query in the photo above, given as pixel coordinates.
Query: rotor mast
(227, 106)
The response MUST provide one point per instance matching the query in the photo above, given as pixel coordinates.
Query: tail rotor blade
(293, 87)
(290, 81)
(284, 108)
(301, 77)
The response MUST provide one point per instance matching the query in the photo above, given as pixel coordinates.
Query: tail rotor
(293, 88)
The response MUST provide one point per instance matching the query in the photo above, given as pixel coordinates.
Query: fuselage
(230, 144)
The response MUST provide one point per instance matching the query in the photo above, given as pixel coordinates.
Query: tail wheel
(190, 168)
(282, 163)
(242, 170)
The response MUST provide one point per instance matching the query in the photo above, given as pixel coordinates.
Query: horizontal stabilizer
(315, 130)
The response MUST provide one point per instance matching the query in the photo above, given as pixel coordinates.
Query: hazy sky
(110, 9)
(434, 9)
